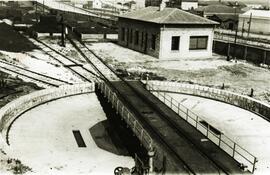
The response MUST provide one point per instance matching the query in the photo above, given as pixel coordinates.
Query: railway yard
(94, 107)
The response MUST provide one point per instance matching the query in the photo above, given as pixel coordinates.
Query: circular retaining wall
(12, 110)
(242, 101)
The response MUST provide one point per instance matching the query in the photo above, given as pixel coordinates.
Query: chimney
(162, 5)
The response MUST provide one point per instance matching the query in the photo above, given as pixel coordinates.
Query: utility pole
(43, 7)
(243, 25)
(249, 23)
(236, 29)
(62, 31)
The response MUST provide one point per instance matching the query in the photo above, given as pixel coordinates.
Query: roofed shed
(167, 33)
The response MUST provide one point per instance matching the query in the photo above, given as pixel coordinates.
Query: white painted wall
(258, 25)
(97, 4)
(184, 52)
(189, 5)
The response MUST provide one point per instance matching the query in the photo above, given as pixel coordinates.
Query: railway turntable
(178, 147)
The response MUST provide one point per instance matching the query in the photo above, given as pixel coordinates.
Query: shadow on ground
(12, 41)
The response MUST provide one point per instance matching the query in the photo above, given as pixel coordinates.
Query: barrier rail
(15, 108)
(129, 118)
(242, 101)
(233, 149)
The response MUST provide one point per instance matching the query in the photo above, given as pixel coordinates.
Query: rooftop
(166, 16)
(219, 8)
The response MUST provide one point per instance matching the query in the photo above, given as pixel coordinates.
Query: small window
(123, 34)
(153, 42)
(136, 37)
(198, 42)
(175, 42)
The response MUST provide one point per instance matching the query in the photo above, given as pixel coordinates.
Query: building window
(198, 42)
(153, 42)
(175, 42)
(142, 39)
(130, 35)
(123, 34)
(136, 37)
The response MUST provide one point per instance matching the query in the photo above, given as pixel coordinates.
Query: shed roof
(166, 16)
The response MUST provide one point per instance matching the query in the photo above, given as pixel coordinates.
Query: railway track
(110, 75)
(31, 75)
(81, 70)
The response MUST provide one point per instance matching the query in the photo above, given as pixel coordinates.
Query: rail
(129, 118)
(225, 143)
(12, 110)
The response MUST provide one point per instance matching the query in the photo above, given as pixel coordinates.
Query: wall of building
(144, 42)
(252, 54)
(189, 5)
(258, 25)
(184, 51)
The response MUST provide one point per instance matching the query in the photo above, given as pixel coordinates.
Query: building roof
(190, 1)
(166, 16)
(257, 14)
(218, 9)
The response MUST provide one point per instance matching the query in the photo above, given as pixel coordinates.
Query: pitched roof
(166, 16)
(216, 9)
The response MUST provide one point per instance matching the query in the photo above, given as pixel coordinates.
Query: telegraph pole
(249, 23)
(236, 30)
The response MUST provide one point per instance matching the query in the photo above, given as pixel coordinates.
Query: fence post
(255, 161)
(187, 115)
(234, 144)
(164, 98)
(197, 121)
(178, 108)
(219, 140)
(207, 130)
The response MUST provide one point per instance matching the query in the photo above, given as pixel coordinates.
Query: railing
(10, 111)
(129, 118)
(242, 101)
(257, 40)
(233, 149)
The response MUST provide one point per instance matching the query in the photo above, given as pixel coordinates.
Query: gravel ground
(238, 77)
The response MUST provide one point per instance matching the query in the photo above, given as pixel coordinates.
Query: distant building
(96, 4)
(259, 23)
(181, 4)
(189, 4)
(166, 33)
(227, 16)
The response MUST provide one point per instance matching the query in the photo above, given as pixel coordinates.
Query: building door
(145, 43)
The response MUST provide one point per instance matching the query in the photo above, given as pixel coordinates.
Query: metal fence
(230, 37)
(233, 149)
(129, 118)
(242, 101)
(13, 109)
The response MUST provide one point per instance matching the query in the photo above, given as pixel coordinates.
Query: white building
(168, 33)
(189, 4)
(259, 23)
